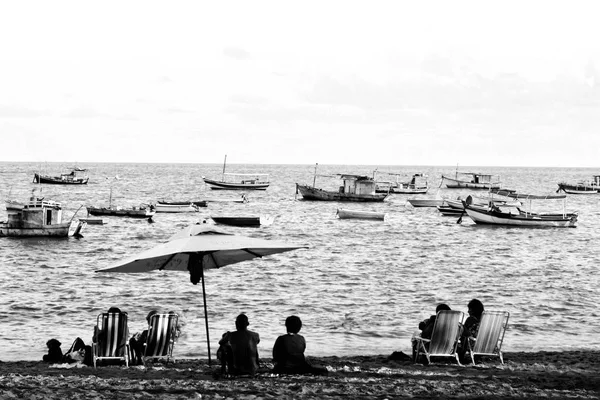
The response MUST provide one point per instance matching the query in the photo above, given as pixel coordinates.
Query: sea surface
(361, 287)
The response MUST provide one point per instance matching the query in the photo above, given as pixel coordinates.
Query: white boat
(416, 185)
(175, 207)
(471, 180)
(343, 213)
(238, 181)
(514, 216)
(426, 202)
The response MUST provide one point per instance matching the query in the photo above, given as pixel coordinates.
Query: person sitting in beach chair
(471, 326)
(489, 336)
(161, 336)
(239, 350)
(444, 337)
(137, 343)
(110, 337)
(426, 327)
(288, 351)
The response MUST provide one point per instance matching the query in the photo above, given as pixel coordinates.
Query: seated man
(240, 348)
(288, 351)
(137, 343)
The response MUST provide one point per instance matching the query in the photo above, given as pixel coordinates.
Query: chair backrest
(491, 332)
(112, 341)
(446, 331)
(161, 335)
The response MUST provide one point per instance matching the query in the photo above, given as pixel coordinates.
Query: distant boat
(77, 176)
(141, 211)
(590, 187)
(232, 181)
(38, 217)
(416, 185)
(357, 188)
(343, 213)
(471, 180)
(244, 221)
(175, 207)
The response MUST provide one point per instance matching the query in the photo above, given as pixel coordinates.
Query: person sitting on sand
(137, 343)
(240, 348)
(471, 326)
(426, 327)
(288, 351)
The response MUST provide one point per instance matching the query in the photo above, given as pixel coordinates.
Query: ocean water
(360, 288)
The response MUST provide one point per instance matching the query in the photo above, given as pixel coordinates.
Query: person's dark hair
(150, 314)
(442, 307)
(241, 322)
(477, 307)
(114, 310)
(293, 324)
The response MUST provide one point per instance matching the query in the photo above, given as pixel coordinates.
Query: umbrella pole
(205, 314)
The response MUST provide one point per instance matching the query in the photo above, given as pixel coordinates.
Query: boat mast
(224, 162)
(315, 177)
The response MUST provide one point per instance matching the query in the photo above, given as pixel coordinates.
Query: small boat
(416, 185)
(94, 221)
(141, 211)
(231, 181)
(511, 215)
(355, 188)
(590, 187)
(426, 202)
(244, 221)
(242, 199)
(471, 180)
(343, 213)
(449, 211)
(77, 176)
(39, 217)
(175, 207)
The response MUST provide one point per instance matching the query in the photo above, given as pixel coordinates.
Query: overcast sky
(506, 83)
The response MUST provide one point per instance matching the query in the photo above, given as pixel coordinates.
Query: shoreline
(543, 374)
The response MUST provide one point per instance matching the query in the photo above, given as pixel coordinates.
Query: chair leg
(500, 355)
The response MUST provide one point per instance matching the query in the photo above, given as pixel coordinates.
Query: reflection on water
(360, 288)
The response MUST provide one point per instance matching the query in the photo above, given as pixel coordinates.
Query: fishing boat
(141, 211)
(238, 181)
(511, 215)
(39, 217)
(416, 185)
(343, 213)
(589, 187)
(247, 221)
(471, 180)
(175, 207)
(356, 188)
(77, 176)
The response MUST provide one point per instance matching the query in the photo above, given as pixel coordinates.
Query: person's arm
(277, 350)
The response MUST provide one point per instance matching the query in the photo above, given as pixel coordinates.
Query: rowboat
(426, 202)
(244, 221)
(514, 216)
(343, 213)
(233, 181)
(175, 207)
(39, 217)
(76, 176)
(470, 180)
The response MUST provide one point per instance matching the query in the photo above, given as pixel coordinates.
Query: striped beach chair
(444, 338)
(111, 343)
(490, 335)
(162, 332)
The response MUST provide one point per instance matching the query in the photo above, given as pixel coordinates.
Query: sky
(511, 83)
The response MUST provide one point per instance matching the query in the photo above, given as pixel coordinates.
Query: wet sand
(561, 375)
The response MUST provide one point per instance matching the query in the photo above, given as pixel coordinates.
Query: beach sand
(564, 375)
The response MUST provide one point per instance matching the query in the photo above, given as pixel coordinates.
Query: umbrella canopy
(196, 248)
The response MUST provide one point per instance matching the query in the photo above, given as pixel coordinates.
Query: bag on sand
(79, 352)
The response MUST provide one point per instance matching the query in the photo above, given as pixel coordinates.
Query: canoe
(359, 214)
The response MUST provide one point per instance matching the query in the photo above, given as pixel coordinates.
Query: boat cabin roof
(476, 174)
(355, 177)
(536, 196)
(234, 174)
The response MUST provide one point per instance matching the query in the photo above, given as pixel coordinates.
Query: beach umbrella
(196, 248)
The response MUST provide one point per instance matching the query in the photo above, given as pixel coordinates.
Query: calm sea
(360, 288)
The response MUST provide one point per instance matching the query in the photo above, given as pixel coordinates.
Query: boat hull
(426, 202)
(485, 216)
(452, 183)
(310, 193)
(56, 230)
(57, 180)
(125, 212)
(221, 185)
(244, 221)
(358, 214)
(578, 189)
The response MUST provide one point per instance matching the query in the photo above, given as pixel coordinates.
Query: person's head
(241, 322)
(114, 310)
(475, 308)
(53, 344)
(442, 307)
(293, 324)
(150, 314)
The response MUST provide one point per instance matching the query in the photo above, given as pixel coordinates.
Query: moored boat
(77, 176)
(141, 211)
(416, 185)
(232, 181)
(344, 213)
(589, 187)
(471, 180)
(426, 202)
(175, 207)
(39, 217)
(244, 221)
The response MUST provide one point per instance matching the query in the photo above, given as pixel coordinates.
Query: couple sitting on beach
(469, 329)
(238, 350)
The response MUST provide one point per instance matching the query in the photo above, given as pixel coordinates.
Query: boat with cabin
(583, 187)
(38, 217)
(471, 180)
(238, 181)
(512, 215)
(77, 176)
(416, 185)
(142, 211)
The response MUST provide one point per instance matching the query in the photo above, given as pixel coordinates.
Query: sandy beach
(574, 374)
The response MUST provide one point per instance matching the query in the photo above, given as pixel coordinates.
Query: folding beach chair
(162, 332)
(490, 336)
(112, 342)
(444, 338)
